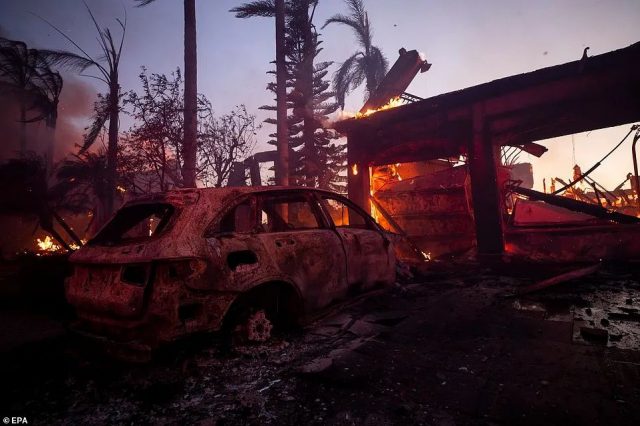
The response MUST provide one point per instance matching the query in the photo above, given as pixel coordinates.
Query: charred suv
(206, 260)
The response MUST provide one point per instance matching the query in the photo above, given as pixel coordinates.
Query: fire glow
(393, 102)
(47, 245)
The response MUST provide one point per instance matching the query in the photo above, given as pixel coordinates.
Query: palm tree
(110, 104)
(277, 9)
(19, 71)
(366, 65)
(190, 146)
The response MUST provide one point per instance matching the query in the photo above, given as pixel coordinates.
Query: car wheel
(258, 327)
(252, 326)
(260, 315)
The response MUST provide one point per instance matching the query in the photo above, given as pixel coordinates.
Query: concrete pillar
(358, 185)
(484, 188)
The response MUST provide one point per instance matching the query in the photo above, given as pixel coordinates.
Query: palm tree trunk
(308, 130)
(50, 126)
(282, 167)
(112, 148)
(23, 129)
(190, 95)
(370, 79)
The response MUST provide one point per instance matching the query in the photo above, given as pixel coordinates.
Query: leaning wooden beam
(67, 229)
(397, 227)
(387, 216)
(575, 205)
(559, 279)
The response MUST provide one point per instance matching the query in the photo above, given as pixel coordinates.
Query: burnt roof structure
(590, 93)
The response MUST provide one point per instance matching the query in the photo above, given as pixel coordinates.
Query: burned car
(218, 259)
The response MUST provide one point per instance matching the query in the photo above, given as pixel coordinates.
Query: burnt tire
(257, 316)
(255, 328)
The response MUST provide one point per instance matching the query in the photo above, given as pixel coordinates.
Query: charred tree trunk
(282, 165)
(112, 147)
(190, 96)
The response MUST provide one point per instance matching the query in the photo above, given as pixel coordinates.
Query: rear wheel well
(280, 300)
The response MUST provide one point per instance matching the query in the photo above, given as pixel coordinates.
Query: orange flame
(47, 245)
(393, 102)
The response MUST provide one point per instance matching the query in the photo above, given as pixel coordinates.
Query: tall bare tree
(190, 145)
(153, 146)
(225, 140)
(151, 152)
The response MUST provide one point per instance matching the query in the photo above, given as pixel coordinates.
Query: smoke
(74, 111)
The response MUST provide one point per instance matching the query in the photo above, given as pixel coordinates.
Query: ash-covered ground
(452, 347)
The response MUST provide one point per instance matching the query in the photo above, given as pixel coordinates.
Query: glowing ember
(47, 245)
(427, 256)
(74, 246)
(151, 227)
(394, 102)
(121, 188)
(354, 169)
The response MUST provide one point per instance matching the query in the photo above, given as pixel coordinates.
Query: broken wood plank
(575, 205)
(559, 279)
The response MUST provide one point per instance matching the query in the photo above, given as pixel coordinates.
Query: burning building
(404, 161)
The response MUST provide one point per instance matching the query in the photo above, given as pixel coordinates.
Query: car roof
(249, 189)
(190, 195)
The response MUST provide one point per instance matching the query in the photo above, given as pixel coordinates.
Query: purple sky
(468, 43)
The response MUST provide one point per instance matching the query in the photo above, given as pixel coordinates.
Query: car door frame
(354, 255)
(316, 294)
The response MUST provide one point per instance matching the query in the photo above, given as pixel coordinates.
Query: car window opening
(135, 223)
(283, 214)
(239, 219)
(344, 216)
